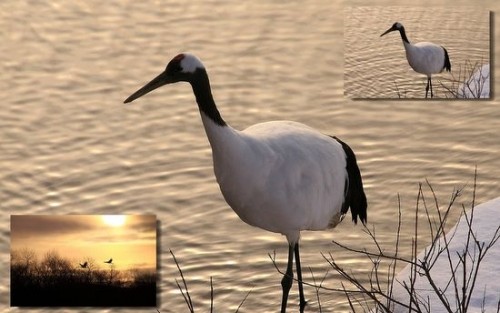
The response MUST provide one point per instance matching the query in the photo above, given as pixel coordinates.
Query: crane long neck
(204, 98)
(403, 35)
(223, 138)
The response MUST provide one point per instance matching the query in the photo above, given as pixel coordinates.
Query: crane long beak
(388, 31)
(157, 82)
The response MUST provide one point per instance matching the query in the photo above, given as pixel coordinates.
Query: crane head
(181, 68)
(396, 26)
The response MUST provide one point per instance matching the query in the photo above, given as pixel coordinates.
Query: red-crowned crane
(424, 57)
(280, 176)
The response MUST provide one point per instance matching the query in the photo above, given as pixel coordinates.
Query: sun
(114, 220)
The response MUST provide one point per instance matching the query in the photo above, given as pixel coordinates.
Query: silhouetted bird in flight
(84, 265)
(109, 261)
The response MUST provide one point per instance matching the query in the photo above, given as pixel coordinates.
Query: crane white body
(280, 176)
(270, 178)
(424, 57)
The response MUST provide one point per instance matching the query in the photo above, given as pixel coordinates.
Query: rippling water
(69, 145)
(376, 67)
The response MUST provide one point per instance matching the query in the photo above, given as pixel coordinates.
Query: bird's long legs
(286, 282)
(429, 83)
(303, 302)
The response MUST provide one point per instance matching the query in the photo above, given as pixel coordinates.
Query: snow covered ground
(478, 85)
(486, 294)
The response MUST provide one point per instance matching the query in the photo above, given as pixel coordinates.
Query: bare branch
(187, 297)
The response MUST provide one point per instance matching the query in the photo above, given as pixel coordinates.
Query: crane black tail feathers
(354, 195)
(447, 64)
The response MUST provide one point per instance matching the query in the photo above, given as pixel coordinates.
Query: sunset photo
(83, 260)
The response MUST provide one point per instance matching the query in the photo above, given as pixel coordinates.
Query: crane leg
(303, 302)
(427, 88)
(430, 82)
(286, 282)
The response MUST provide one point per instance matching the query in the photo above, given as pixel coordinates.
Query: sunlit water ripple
(69, 145)
(376, 67)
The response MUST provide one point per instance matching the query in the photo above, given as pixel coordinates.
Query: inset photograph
(417, 53)
(83, 260)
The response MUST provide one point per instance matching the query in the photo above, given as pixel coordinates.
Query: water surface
(69, 145)
(376, 67)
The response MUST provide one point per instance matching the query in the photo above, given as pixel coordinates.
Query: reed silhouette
(55, 281)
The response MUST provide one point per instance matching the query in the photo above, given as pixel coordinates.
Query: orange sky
(130, 242)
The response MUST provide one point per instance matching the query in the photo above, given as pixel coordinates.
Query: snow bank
(485, 223)
(478, 85)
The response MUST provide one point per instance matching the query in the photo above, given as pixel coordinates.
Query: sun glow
(114, 220)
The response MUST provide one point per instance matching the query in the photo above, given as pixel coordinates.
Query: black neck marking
(203, 93)
(403, 34)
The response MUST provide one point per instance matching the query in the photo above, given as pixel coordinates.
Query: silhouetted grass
(54, 281)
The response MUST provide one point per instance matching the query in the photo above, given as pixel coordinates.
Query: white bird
(280, 176)
(109, 261)
(424, 57)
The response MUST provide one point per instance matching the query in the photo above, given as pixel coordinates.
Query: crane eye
(174, 67)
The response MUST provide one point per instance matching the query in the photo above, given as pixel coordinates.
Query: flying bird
(424, 57)
(84, 265)
(280, 176)
(109, 261)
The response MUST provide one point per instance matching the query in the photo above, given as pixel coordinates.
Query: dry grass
(461, 85)
(464, 85)
(378, 294)
(183, 288)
